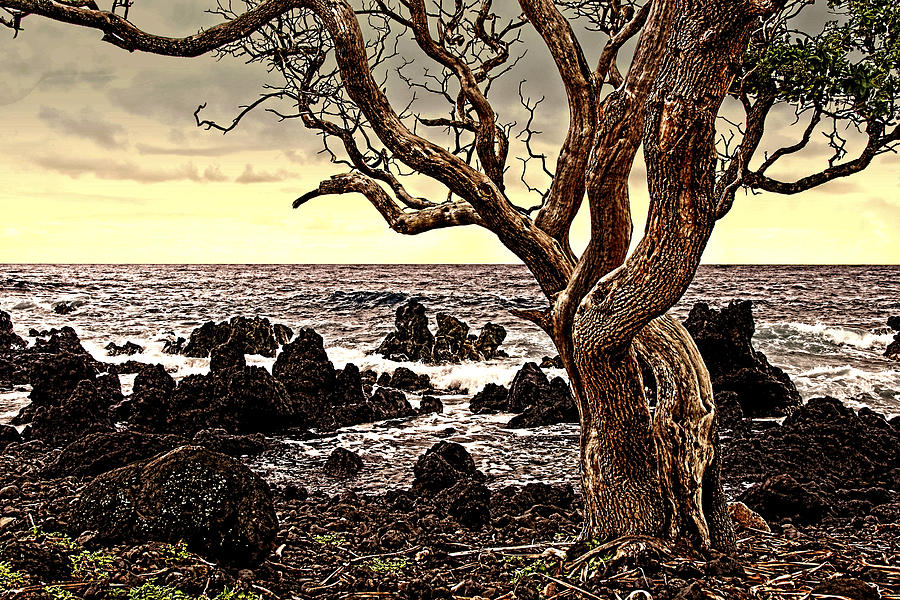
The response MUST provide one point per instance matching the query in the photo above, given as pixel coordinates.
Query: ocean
(824, 325)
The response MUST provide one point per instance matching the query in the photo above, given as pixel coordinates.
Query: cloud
(88, 126)
(126, 170)
(250, 175)
(185, 151)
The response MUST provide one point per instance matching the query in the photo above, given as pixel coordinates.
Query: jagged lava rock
(450, 339)
(8, 338)
(554, 405)
(59, 341)
(724, 339)
(492, 398)
(84, 411)
(893, 349)
(489, 340)
(255, 335)
(348, 386)
(781, 497)
(151, 399)
(430, 405)
(412, 340)
(342, 464)
(9, 435)
(226, 356)
(307, 375)
(212, 502)
(100, 452)
(446, 477)
(406, 379)
(126, 349)
(53, 380)
(527, 387)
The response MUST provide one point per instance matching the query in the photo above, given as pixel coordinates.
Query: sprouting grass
(227, 594)
(387, 565)
(92, 565)
(58, 593)
(330, 539)
(9, 579)
(173, 553)
(528, 570)
(150, 591)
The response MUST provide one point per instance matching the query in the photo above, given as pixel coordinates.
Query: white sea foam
(844, 336)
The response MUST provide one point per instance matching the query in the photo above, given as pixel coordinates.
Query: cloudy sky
(102, 162)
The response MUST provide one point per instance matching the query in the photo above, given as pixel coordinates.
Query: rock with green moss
(214, 503)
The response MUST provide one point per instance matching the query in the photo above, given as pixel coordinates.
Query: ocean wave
(364, 298)
(841, 336)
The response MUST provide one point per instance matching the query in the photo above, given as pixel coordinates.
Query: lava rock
(728, 407)
(174, 345)
(390, 404)
(406, 379)
(442, 466)
(219, 440)
(893, 349)
(151, 399)
(555, 405)
(65, 307)
(724, 338)
(98, 453)
(412, 340)
(527, 388)
(84, 412)
(8, 338)
(492, 398)
(489, 340)
(206, 337)
(342, 464)
(126, 349)
(782, 497)
(283, 333)
(348, 387)
(46, 562)
(229, 355)
(59, 341)
(212, 502)
(450, 339)
(9, 435)
(554, 362)
(430, 405)
(307, 375)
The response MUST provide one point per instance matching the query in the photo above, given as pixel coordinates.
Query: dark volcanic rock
(489, 340)
(527, 388)
(446, 477)
(64, 307)
(782, 497)
(84, 412)
(412, 341)
(554, 362)
(492, 398)
(406, 379)
(206, 337)
(893, 349)
(343, 464)
(825, 444)
(450, 339)
(283, 333)
(53, 379)
(174, 345)
(390, 404)
(9, 435)
(728, 407)
(219, 440)
(555, 405)
(348, 387)
(229, 355)
(725, 342)
(47, 562)
(126, 349)
(60, 340)
(151, 399)
(8, 338)
(256, 334)
(307, 374)
(430, 405)
(212, 502)
(101, 452)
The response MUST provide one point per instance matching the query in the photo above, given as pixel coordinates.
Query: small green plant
(58, 593)
(227, 594)
(151, 591)
(330, 539)
(52, 537)
(9, 579)
(387, 565)
(173, 553)
(528, 570)
(92, 565)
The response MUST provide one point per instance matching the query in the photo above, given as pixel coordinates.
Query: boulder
(256, 334)
(450, 339)
(742, 516)
(100, 452)
(59, 341)
(489, 340)
(554, 405)
(492, 398)
(411, 341)
(724, 338)
(206, 337)
(430, 405)
(527, 388)
(446, 477)
(406, 379)
(151, 399)
(126, 349)
(554, 362)
(8, 338)
(66, 307)
(9, 435)
(47, 562)
(308, 376)
(782, 497)
(390, 404)
(53, 378)
(84, 412)
(342, 464)
(348, 387)
(893, 349)
(212, 502)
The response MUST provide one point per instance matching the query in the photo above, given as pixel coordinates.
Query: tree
(642, 474)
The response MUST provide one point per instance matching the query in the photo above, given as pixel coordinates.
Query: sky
(101, 162)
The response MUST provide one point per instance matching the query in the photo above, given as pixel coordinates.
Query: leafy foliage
(9, 579)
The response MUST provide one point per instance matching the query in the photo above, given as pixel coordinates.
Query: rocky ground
(159, 511)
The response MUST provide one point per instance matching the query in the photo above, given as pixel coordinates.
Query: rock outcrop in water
(126, 349)
(253, 335)
(8, 338)
(893, 349)
(210, 501)
(452, 343)
(725, 340)
(538, 400)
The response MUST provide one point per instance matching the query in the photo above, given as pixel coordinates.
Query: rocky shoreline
(105, 496)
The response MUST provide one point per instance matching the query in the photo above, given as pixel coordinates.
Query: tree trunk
(651, 475)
